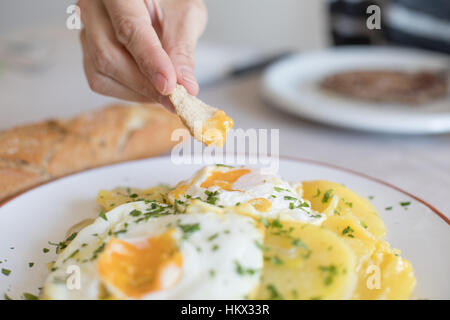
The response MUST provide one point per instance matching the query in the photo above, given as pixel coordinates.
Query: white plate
(45, 213)
(291, 84)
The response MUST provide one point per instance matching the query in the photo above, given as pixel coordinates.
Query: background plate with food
(390, 90)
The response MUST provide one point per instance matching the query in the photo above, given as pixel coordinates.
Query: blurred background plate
(292, 85)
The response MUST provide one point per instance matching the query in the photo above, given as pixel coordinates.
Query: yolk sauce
(216, 128)
(137, 270)
(224, 180)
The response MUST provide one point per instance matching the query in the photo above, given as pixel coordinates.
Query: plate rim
(286, 157)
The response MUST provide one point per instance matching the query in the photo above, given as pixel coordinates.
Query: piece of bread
(36, 153)
(207, 124)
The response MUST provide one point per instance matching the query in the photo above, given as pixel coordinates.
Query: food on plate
(145, 250)
(206, 124)
(33, 154)
(388, 86)
(233, 233)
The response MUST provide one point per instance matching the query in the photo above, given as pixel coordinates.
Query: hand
(139, 50)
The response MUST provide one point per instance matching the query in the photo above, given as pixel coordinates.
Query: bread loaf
(36, 153)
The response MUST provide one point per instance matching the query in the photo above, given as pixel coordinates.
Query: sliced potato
(320, 193)
(305, 262)
(109, 199)
(354, 234)
(385, 275)
(375, 261)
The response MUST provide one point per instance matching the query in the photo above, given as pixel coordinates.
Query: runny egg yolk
(216, 128)
(261, 204)
(138, 269)
(179, 191)
(224, 180)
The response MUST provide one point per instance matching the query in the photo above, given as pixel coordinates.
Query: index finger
(133, 28)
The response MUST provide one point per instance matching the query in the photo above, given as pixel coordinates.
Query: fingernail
(188, 75)
(160, 82)
(165, 101)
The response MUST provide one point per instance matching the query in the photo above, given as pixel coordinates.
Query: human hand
(139, 50)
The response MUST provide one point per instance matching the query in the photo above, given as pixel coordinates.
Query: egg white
(213, 256)
(285, 198)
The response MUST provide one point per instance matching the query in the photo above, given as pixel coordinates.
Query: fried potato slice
(320, 193)
(109, 199)
(305, 262)
(385, 275)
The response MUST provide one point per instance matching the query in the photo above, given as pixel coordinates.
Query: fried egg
(267, 195)
(141, 250)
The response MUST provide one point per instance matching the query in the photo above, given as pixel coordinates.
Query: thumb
(182, 29)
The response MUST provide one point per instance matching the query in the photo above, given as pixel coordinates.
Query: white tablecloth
(49, 82)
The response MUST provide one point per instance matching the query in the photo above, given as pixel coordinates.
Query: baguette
(36, 153)
(205, 123)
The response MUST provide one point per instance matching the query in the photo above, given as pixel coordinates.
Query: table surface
(49, 82)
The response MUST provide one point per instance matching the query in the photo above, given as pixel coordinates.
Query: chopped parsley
(278, 189)
(30, 264)
(348, 231)
(45, 250)
(120, 231)
(63, 244)
(223, 165)
(260, 246)
(103, 215)
(135, 213)
(211, 197)
(98, 251)
(243, 271)
(188, 229)
(318, 193)
(73, 254)
(29, 296)
(265, 222)
(363, 224)
(276, 224)
(405, 204)
(6, 272)
(388, 208)
(71, 237)
(327, 196)
(213, 237)
(330, 272)
(276, 260)
(274, 295)
(300, 244)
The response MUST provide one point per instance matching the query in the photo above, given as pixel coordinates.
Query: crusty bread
(200, 118)
(36, 153)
